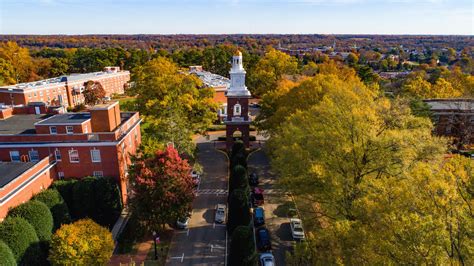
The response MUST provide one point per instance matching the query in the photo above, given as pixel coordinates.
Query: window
(53, 130)
(85, 129)
(15, 156)
(34, 156)
(237, 110)
(95, 156)
(41, 93)
(57, 154)
(60, 175)
(69, 129)
(98, 174)
(73, 156)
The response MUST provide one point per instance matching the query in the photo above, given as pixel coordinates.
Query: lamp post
(154, 241)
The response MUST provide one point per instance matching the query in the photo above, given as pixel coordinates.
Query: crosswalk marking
(211, 191)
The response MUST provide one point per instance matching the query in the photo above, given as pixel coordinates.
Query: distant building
(454, 118)
(65, 91)
(73, 145)
(218, 83)
(394, 74)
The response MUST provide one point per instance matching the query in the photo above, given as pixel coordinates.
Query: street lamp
(154, 241)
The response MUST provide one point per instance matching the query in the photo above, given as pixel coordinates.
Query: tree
(81, 243)
(55, 202)
(6, 255)
(174, 105)
(93, 93)
(269, 71)
(20, 60)
(38, 215)
(21, 237)
(162, 187)
(239, 209)
(238, 178)
(65, 189)
(242, 247)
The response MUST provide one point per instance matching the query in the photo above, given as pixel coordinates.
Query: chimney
(105, 117)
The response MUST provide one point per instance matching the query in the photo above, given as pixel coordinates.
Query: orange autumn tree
(162, 188)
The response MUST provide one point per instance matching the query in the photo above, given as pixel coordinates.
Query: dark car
(253, 179)
(258, 216)
(256, 197)
(263, 239)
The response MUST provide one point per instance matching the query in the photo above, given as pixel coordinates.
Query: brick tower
(237, 121)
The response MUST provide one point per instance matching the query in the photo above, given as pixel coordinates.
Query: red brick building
(95, 143)
(63, 91)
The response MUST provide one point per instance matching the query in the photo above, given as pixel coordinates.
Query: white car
(182, 223)
(297, 231)
(220, 213)
(267, 259)
(196, 177)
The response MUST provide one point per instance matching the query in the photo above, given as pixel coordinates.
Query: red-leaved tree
(162, 189)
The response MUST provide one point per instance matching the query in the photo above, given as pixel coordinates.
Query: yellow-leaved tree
(81, 243)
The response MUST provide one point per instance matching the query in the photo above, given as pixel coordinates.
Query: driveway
(204, 243)
(276, 205)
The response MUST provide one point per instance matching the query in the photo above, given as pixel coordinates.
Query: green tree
(55, 202)
(6, 255)
(242, 247)
(269, 70)
(173, 104)
(21, 237)
(38, 215)
(81, 243)
(162, 187)
(239, 209)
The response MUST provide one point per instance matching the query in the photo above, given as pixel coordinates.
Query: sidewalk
(138, 258)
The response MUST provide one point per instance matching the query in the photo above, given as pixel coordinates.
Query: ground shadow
(284, 232)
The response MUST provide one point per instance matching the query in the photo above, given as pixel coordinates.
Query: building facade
(237, 120)
(98, 143)
(63, 91)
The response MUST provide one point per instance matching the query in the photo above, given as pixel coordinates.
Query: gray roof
(20, 124)
(65, 119)
(451, 105)
(211, 79)
(11, 170)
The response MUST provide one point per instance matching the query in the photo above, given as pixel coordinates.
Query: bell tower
(238, 96)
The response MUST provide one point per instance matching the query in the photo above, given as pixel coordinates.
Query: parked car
(258, 216)
(182, 223)
(263, 239)
(196, 178)
(220, 213)
(253, 179)
(267, 259)
(256, 197)
(297, 231)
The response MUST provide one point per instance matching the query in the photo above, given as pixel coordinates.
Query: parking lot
(276, 206)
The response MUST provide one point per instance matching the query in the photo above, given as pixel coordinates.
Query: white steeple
(237, 78)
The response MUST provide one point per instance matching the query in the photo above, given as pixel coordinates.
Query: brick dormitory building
(36, 149)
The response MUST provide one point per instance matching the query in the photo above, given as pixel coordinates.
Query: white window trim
(60, 175)
(19, 157)
(92, 156)
(78, 158)
(31, 157)
(70, 131)
(56, 152)
(51, 131)
(98, 174)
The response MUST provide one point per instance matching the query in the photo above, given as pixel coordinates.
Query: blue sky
(237, 16)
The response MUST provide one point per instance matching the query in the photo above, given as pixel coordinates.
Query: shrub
(238, 178)
(81, 243)
(6, 255)
(108, 202)
(38, 215)
(65, 189)
(239, 159)
(21, 237)
(55, 202)
(239, 209)
(238, 148)
(83, 198)
(242, 247)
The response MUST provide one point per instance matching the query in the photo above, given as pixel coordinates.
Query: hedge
(238, 178)
(21, 237)
(65, 189)
(108, 202)
(6, 255)
(83, 201)
(38, 215)
(239, 209)
(55, 202)
(242, 247)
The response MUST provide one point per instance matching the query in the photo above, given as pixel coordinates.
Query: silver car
(220, 213)
(297, 231)
(267, 259)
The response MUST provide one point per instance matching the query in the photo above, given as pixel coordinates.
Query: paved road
(276, 220)
(204, 243)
